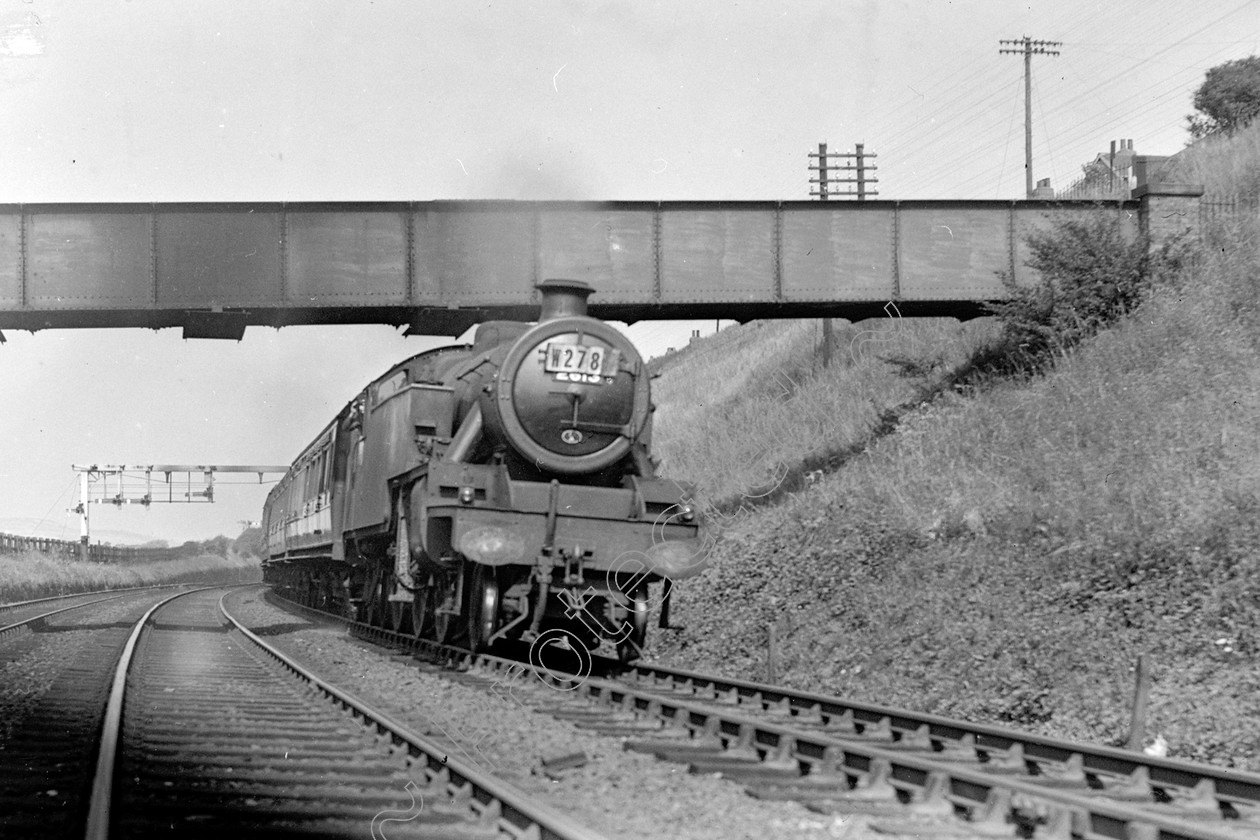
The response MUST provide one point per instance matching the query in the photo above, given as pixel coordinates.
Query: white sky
(153, 100)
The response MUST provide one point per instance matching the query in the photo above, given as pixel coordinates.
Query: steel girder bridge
(441, 266)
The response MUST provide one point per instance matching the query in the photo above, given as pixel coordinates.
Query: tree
(1228, 99)
(217, 546)
(251, 542)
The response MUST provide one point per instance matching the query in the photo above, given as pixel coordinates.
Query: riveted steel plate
(89, 260)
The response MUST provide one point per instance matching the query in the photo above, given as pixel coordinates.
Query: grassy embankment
(1001, 552)
(33, 575)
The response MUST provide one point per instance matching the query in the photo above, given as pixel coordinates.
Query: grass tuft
(31, 575)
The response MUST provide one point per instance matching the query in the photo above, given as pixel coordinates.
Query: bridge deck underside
(440, 266)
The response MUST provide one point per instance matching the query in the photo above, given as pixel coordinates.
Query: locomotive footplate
(646, 525)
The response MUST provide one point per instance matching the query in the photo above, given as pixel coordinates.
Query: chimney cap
(555, 284)
(563, 298)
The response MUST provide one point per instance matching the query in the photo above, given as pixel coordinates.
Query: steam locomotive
(498, 490)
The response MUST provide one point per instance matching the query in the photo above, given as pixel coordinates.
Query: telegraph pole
(823, 180)
(826, 167)
(855, 161)
(1028, 48)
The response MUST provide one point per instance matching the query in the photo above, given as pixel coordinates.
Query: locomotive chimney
(562, 298)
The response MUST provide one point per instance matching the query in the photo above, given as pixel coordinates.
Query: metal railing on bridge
(1217, 207)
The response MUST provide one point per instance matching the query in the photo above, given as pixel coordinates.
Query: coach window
(304, 486)
(322, 488)
(328, 469)
(317, 478)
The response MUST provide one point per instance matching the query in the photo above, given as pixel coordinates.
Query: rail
(849, 752)
(488, 804)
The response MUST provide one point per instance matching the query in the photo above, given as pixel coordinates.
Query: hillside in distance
(1001, 549)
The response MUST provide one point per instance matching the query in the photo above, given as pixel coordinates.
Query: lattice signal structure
(134, 485)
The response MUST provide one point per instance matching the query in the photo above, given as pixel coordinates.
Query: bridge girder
(440, 266)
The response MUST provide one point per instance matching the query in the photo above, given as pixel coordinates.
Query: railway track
(914, 773)
(211, 730)
(35, 603)
(23, 615)
(55, 668)
(180, 721)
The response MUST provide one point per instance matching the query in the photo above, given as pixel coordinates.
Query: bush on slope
(1006, 557)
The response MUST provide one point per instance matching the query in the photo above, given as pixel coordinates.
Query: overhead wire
(1045, 130)
(962, 108)
(1089, 127)
(1006, 148)
(961, 120)
(44, 518)
(972, 104)
(1169, 47)
(944, 83)
(974, 94)
(948, 136)
(1110, 70)
(1112, 78)
(1138, 103)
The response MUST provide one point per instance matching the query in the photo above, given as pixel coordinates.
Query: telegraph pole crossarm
(859, 165)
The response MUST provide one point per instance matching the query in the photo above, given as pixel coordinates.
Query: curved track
(25, 615)
(209, 730)
(919, 773)
(56, 665)
(36, 603)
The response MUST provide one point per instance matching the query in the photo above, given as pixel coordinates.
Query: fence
(1228, 207)
(1096, 189)
(14, 544)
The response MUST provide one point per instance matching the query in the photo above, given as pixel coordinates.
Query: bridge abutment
(1168, 210)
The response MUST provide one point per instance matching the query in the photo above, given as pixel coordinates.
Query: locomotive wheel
(422, 610)
(483, 604)
(631, 647)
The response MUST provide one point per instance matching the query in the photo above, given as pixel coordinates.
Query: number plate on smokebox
(579, 362)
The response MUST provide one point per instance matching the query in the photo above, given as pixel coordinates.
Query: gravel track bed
(622, 794)
(10, 615)
(31, 660)
(28, 667)
(47, 675)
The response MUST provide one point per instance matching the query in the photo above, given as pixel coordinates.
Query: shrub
(1092, 274)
